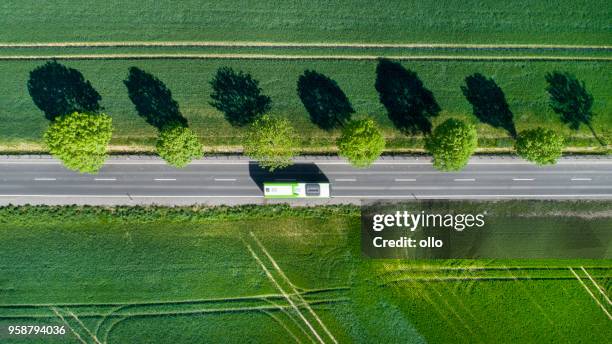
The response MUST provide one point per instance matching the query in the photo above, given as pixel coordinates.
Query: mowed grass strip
(21, 122)
(446, 21)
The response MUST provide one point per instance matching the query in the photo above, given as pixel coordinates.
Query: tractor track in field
(281, 57)
(251, 44)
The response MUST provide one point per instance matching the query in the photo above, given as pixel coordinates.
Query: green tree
(361, 142)
(451, 144)
(80, 140)
(271, 141)
(539, 145)
(178, 145)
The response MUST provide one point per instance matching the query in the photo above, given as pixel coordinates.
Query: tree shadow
(570, 99)
(324, 100)
(489, 102)
(409, 104)
(58, 90)
(238, 96)
(153, 100)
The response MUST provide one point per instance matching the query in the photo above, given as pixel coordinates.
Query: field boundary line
(590, 293)
(255, 44)
(213, 56)
(599, 288)
(66, 323)
(298, 295)
(287, 297)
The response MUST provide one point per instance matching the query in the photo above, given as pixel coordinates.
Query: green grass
(481, 21)
(133, 274)
(523, 83)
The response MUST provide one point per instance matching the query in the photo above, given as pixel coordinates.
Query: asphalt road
(45, 181)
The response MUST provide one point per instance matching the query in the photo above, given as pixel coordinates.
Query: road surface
(237, 181)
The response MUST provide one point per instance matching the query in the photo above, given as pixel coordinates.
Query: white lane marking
(523, 179)
(405, 180)
(105, 179)
(225, 179)
(345, 179)
(465, 180)
(581, 179)
(590, 293)
(165, 179)
(43, 179)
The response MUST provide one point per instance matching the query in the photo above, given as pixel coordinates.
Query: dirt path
(247, 44)
(301, 57)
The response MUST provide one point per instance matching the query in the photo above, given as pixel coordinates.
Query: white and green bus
(296, 190)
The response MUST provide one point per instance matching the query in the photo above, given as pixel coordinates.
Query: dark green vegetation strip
(522, 83)
(154, 274)
(393, 21)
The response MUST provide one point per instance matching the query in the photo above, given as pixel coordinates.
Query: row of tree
(80, 131)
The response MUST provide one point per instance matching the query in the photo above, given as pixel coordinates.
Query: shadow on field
(238, 96)
(328, 106)
(153, 100)
(306, 172)
(489, 102)
(58, 90)
(409, 104)
(570, 99)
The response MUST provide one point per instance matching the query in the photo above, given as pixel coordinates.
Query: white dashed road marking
(405, 180)
(105, 179)
(345, 179)
(225, 179)
(523, 179)
(165, 179)
(581, 179)
(43, 179)
(465, 180)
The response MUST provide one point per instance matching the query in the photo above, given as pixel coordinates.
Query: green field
(184, 275)
(489, 22)
(522, 81)
(447, 21)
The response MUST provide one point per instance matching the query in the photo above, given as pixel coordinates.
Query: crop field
(274, 274)
(446, 21)
(183, 44)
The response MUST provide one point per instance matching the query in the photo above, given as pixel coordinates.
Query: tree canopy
(58, 90)
(361, 142)
(80, 140)
(178, 145)
(324, 100)
(238, 96)
(271, 141)
(451, 144)
(539, 145)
